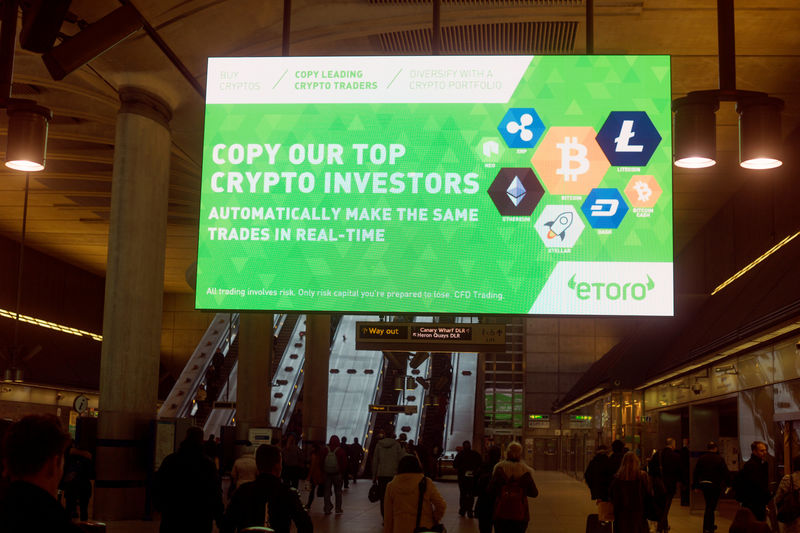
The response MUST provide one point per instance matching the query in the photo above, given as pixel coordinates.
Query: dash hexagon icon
(569, 161)
(521, 127)
(516, 192)
(604, 208)
(628, 138)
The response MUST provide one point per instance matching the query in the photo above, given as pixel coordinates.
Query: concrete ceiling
(70, 201)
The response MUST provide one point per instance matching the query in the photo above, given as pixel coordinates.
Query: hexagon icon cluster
(569, 160)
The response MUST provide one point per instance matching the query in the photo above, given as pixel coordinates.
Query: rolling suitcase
(594, 525)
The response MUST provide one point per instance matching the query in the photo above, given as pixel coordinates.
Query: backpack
(511, 502)
(331, 465)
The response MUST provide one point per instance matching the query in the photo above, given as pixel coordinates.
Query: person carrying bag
(787, 499)
(412, 503)
(435, 528)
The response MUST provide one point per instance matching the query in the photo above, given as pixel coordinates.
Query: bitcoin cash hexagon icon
(569, 161)
(516, 192)
(628, 138)
(521, 127)
(643, 191)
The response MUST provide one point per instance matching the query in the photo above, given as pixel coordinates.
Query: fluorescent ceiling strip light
(51, 325)
(753, 264)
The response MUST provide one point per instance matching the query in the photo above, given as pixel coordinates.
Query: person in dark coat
(467, 462)
(615, 459)
(752, 483)
(710, 477)
(484, 506)
(266, 501)
(628, 493)
(34, 454)
(666, 465)
(598, 475)
(355, 454)
(685, 486)
(187, 488)
(76, 483)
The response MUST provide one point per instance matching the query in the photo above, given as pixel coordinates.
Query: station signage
(431, 337)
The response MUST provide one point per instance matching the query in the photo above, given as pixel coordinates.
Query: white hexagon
(559, 226)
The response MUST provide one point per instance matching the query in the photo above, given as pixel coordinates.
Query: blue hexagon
(604, 208)
(628, 138)
(521, 127)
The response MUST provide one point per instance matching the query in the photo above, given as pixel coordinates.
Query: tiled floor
(562, 506)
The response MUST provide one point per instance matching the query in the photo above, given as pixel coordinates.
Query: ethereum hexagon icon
(516, 192)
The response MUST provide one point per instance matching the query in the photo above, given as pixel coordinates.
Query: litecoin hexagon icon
(628, 138)
(516, 192)
(521, 127)
(604, 208)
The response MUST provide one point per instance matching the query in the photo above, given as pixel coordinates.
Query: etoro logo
(516, 191)
(612, 291)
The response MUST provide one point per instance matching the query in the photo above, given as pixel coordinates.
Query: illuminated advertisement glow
(533, 185)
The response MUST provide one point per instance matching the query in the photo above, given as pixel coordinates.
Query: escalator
(461, 410)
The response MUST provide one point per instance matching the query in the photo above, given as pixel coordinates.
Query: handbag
(374, 493)
(789, 506)
(435, 528)
(605, 511)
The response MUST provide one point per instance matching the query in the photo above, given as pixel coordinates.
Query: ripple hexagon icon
(516, 192)
(604, 208)
(559, 226)
(643, 190)
(521, 127)
(569, 161)
(628, 138)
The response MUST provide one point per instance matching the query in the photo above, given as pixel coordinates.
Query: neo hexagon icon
(516, 192)
(521, 127)
(559, 226)
(643, 190)
(604, 208)
(628, 138)
(569, 161)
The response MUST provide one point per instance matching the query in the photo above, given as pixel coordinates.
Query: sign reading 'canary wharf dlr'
(427, 185)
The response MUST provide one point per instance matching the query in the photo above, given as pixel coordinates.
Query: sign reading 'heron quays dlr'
(502, 184)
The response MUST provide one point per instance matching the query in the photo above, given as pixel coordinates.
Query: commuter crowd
(41, 462)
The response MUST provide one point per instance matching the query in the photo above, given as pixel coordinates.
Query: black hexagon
(622, 128)
(527, 199)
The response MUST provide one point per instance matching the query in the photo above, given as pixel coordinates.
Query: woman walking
(629, 492)
(402, 502)
(512, 484)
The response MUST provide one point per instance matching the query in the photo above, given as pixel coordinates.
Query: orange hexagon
(643, 191)
(569, 160)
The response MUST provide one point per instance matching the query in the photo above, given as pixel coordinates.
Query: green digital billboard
(464, 184)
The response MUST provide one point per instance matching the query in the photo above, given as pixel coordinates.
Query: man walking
(386, 457)
(466, 463)
(666, 464)
(710, 476)
(752, 484)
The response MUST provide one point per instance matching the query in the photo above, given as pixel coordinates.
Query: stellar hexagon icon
(516, 192)
(604, 208)
(643, 191)
(628, 138)
(559, 226)
(521, 127)
(569, 160)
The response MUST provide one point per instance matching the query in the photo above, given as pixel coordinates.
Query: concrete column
(315, 380)
(133, 305)
(254, 372)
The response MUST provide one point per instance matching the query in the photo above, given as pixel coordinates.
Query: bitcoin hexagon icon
(569, 161)
(521, 127)
(628, 138)
(643, 191)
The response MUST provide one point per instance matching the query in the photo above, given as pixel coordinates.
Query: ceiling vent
(557, 37)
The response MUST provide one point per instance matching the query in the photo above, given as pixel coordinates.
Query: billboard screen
(463, 184)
